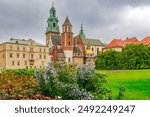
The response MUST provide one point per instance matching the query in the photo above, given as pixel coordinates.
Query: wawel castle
(63, 47)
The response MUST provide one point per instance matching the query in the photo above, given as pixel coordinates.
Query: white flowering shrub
(71, 82)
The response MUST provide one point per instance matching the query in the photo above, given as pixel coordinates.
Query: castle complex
(64, 47)
(60, 47)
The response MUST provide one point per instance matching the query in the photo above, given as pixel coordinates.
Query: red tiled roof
(116, 43)
(122, 43)
(146, 41)
(132, 40)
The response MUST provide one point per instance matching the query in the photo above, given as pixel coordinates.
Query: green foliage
(70, 82)
(25, 72)
(131, 57)
(122, 91)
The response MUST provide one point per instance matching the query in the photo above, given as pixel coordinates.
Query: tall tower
(67, 40)
(53, 27)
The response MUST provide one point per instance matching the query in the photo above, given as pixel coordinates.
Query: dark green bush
(131, 57)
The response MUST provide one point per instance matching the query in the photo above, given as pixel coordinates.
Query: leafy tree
(132, 57)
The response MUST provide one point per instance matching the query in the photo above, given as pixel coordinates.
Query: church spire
(82, 32)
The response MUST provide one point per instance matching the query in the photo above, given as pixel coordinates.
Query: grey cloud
(25, 19)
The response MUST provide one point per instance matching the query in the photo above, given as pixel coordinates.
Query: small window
(97, 51)
(31, 49)
(44, 56)
(18, 48)
(92, 49)
(3, 55)
(10, 55)
(17, 55)
(24, 55)
(40, 50)
(54, 25)
(18, 63)
(40, 56)
(25, 62)
(68, 43)
(13, 62)
(32, 56)
(24, 49)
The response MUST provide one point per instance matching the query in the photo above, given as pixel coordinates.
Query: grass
(137, 83)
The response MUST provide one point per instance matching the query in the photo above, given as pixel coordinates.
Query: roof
(23, 42)
(67, 22)
(146, 41)
(76, 50)
(116, 43)
(95, 42)
(132, 40)
(56, 39)
(122, 43)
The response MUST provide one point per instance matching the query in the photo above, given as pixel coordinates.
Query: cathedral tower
(53, 27)
(67, 40)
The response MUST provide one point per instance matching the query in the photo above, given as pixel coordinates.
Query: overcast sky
(102, 19)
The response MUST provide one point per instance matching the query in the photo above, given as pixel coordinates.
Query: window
(3, 55)
(10, 55)
(32, 56)
(68, 43)
(31, 49)
(44, 50)
(69, 29)
(54, 25)
(13, 62)
(24, 49)
(24, 55)
(40, 56)
(40, 50)
(92, 49)
(17, 55)
(97, 51)
(18, 63)
(18, 48)
(25, 62)
(44, 56)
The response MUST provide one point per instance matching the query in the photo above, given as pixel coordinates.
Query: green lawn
(137, 83)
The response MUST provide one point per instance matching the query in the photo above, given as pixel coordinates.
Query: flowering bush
(18, 87)
(71, 82)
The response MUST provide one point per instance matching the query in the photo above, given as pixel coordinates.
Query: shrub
(18, 87)
(70, 82)
(122, 91)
